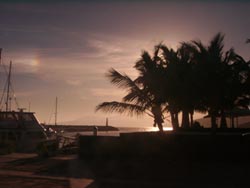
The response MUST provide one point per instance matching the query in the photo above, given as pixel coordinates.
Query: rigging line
(51, 114)
(14, 95)
(5, 69)
(11, 86)
(5, 85)
(15, 99)
(50, 117)
(4, 91)
(8, 98)
(2, 97)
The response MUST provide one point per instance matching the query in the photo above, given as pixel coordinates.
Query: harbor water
(117, 133)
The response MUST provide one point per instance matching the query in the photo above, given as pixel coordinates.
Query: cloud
(65, 49)
(107, 92)
(105, 47)
(74, 82)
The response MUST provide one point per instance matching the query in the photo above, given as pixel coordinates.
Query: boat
(22, 130)
(19, 130)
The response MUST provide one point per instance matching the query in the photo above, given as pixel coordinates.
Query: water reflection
(121, 130)
(150, 129)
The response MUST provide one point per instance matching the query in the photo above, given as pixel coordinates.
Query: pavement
(21, 170)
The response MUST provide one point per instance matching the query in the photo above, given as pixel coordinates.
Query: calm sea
(117, 133)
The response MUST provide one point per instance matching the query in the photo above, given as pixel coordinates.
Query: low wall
(98, 146)
(171, 146)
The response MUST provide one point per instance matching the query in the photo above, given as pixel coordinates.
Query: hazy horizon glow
(65, 49)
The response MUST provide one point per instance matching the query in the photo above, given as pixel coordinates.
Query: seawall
(153, 145)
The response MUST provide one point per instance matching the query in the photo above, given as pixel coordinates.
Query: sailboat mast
(56, 112)
(1, 56)
(8, 108)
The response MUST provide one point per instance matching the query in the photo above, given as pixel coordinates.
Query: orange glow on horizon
(154, 129)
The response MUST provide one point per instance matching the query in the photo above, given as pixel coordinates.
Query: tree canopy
(194, 77)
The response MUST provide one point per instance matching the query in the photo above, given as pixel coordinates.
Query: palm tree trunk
(213, 120)
(223, 121)
(185, 119)
(212, 113)
(174, 120)
(160, 127)
(213, 123)
(191, 118)
(157, 112)
(232, 121)
(177, 120)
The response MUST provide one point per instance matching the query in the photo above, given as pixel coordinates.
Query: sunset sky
(64, 49)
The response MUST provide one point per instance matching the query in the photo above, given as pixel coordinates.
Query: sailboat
(50, 130)
(19, 129)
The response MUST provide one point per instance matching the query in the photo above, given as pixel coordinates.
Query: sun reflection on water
(153, 129)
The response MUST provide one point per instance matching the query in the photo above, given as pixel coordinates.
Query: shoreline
(81, 128)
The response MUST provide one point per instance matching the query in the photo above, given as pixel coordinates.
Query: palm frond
(122, 81)
(191, 49)
(170, 55)
(184, 53)
(166, 51)
(138, 97)
(157, 48)
(144, 63)
(157, 56)
(121, 107)
(135, 94)
(229, 56)
(201, 48)
(216, 45)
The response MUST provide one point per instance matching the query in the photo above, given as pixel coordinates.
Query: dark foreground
(172, 160)
(160, 173)
(68, 171)
(20, 170)
(138, 160)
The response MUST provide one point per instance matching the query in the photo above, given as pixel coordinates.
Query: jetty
(81, 128)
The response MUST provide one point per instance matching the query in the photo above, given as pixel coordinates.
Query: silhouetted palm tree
(145, 94)
(218, 78)
(210, 65)
(171, 82)
(240, 84)
(180, 84)
(192, 78)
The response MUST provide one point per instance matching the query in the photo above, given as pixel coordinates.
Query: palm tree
(218, 76)
(180, 79)
(145, 94)
(192, 78)
(171, 82)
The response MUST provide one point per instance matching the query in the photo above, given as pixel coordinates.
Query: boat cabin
(21, 128)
